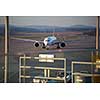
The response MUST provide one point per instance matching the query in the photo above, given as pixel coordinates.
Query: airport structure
(46, 70)
(52, 74)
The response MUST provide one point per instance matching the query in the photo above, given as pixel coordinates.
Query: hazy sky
(52, 20)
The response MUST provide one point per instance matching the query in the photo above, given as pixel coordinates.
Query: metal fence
(46, 70)
(82, 73)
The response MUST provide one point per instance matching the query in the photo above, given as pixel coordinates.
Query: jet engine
(36, 44)
(61, 45)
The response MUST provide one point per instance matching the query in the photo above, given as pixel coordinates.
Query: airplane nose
(45, 42)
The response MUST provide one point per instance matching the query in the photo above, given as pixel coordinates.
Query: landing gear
(58, 47)
(47, 47)
(43, 46)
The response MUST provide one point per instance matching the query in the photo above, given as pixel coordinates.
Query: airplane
(46, 43)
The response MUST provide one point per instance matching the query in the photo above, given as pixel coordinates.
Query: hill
(46, 29)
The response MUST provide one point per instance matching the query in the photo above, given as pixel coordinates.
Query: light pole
(6, 19)
(97, 36)
(97, 43)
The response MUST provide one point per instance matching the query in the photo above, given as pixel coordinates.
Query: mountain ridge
(46, 28)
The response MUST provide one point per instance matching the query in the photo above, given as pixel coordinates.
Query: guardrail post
(48, 73)
(20, 70)
(65, 70)
(72, 71)
(24, 68)
(45, 73)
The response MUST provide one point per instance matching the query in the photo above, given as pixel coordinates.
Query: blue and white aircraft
(46, 43)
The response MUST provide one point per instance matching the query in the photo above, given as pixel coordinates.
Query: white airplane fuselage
(49, 40)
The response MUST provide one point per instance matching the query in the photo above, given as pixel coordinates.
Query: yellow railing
(47, 70)
(83, 74)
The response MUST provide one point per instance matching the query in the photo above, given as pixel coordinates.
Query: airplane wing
(58, 42)
(27, 40)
